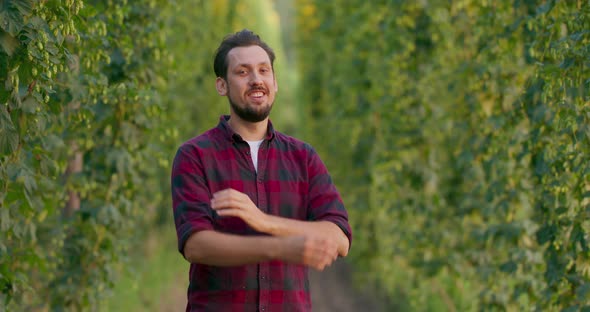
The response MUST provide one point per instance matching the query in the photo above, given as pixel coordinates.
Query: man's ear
(221, 86)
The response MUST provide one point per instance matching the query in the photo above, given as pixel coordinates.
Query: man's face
(250, 85)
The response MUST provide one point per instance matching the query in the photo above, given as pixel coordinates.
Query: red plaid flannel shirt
(291, 182)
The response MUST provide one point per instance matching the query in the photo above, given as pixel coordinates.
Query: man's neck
(249, 131)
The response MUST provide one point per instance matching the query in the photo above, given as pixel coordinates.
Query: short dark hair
(242, 38)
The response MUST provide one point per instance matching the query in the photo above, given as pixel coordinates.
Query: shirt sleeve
(190, 195)
(325, 202)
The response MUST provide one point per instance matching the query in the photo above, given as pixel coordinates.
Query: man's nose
(255, 78)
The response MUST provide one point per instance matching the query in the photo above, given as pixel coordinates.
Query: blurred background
(458, 133)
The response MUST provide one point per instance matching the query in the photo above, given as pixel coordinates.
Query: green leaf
(9, 43)
(23, 6)
(546, 234)
(26, 177)
(13, 14)
(567, 63)
(545, 8)
(561, 210)
(509, 267)
(555, 268)
(583, 290)
(4, 219)
(8, 134)
(33, 232)
(578, 236)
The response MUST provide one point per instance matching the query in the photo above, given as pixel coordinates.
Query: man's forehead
(253, 55)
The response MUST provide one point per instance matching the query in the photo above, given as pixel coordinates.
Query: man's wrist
(266, 224)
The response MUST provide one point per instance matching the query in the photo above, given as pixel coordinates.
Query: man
(253, 207)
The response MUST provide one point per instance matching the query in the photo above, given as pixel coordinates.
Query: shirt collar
(229, 133)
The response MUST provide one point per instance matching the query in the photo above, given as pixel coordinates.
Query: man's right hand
(315, 252)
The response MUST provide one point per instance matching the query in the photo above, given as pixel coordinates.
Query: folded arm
(221, 249)
(279, 226)
(230, 202)
(216, 248)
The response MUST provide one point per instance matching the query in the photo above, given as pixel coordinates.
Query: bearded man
(253, 207)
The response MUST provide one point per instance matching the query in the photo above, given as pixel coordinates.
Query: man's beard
(250, 114)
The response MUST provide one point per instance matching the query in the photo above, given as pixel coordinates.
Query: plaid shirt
(291, 182)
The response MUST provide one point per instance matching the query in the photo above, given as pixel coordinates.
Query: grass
(154, 279)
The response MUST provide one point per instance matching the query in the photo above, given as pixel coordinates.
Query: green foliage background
(120, 84)
(458, 133)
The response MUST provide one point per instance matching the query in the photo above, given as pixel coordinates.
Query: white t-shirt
(254, 146)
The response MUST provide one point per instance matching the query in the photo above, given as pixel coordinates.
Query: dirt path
(331, 290)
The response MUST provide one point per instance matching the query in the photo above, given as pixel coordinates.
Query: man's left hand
(230, 202)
